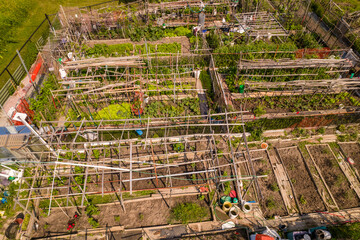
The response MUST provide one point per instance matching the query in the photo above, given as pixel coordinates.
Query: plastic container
(246, 207)
(223, 199)
(226, 206)
(232, 194)
(264, 145)
(233, 212)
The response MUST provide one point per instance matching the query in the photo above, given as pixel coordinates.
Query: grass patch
(188, 212)
(274, 187)
(347, 231)
(270, 204)
(26, 25)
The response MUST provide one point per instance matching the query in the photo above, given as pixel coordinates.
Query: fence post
(12, 79)
(51, 26)
(27, 72)
(47, 18)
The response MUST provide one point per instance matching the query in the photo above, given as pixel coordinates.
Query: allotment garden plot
(306, 191)
(333, 176)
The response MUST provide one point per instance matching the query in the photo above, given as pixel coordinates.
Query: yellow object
(226, 206)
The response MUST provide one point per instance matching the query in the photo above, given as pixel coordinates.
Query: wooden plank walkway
(284, 184)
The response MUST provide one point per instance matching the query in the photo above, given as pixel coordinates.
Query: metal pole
(47, 18)
(131, 168)
(37, 134)
(9, 118)
(306, 11)
(27, 72)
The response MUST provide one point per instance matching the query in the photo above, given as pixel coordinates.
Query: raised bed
(272, 203)
(282, 104)
(352, 150)
(333, 176)
(144, 213)
(307, 194)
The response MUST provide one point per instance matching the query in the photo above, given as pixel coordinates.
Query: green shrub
(188, 212)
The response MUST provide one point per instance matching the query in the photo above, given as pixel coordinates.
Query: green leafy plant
(179, 147)
(91, 209)
(115, 111)
(93, 222)
(274, 187)
(302, 200)
(259, 110)
(188, 212)
(226, 184)
(321, 130)
(270, 204)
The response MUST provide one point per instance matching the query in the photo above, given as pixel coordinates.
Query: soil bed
(334, 177)
(272, 203)
(352, 150)
(308, 198)
(138, 214)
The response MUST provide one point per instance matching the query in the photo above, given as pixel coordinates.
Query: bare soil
(262, 167)
(352, 150)
(251, 194)
(334, 177)
(308, 197)
(138, 214)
